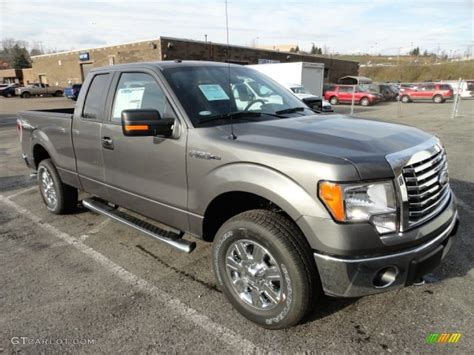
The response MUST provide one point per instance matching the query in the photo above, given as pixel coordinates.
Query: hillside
(416, 72)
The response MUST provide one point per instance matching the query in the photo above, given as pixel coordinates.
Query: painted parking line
(21, 192)
(220, 332)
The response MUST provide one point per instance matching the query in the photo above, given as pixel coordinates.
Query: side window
(139, 91)
(94, 104)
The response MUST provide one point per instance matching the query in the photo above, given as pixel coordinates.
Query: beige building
(71, 67)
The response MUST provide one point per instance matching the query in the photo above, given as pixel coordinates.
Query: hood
(365, 143)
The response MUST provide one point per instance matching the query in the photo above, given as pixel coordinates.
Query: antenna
(232, 135)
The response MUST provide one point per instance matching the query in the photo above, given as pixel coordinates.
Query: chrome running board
(168, 237)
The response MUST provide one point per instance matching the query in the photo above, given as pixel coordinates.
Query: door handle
(107, 143)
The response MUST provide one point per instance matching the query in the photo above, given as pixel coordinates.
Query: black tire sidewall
(283, 314)
(58, 185)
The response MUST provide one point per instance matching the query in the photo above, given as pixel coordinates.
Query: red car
(343, 94)
(438, 93)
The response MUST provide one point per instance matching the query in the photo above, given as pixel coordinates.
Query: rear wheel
(58, 93)
(405, 99)
(364, 101)
(58, 197)
(265, 268)
(333, 100)
(438, 99)
(25, 95)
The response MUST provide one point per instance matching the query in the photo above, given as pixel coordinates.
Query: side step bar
(171, 238)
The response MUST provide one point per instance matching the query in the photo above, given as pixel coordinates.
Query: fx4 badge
(203, 155)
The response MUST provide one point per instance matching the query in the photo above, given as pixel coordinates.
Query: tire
(405, 99)
(333, 100)
(58, 197)
(364, 101)
(25, 95)
(438, 99)
(287, 283)
(58, 93)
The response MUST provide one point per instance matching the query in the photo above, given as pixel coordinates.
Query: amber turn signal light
(332, 196)
(136, 128)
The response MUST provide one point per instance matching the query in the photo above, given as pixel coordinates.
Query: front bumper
(345, 277)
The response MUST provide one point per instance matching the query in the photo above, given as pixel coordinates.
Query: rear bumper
(344, 277)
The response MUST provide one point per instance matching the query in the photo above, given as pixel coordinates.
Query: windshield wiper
(237, 114)
(290, 110)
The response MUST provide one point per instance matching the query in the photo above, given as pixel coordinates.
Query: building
(20, 76)
(72, 67)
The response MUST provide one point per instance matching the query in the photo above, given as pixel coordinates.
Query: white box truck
(309, 75)
(304, 79)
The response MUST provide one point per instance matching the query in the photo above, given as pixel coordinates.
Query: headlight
(365, 202)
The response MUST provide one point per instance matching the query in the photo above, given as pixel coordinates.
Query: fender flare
(259, 180)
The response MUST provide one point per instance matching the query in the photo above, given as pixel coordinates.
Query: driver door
(145, 174)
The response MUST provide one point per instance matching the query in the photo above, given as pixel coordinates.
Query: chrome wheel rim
(254, 274)
(47, 188)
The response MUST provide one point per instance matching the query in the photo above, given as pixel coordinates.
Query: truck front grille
(427, 187)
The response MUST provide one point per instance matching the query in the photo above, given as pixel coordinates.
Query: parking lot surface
(82, 283)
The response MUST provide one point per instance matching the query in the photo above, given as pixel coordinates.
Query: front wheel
(58, 197)
(333, 100)
(364, 101)
(405, 99)
(438, 99)
(265, 268)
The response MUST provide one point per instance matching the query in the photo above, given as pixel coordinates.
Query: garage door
(85, 68)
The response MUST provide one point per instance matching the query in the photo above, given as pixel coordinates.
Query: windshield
(205, 93)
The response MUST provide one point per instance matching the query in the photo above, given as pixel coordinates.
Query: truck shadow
(16, 182)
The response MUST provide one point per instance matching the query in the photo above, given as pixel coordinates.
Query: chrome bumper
(358, 277)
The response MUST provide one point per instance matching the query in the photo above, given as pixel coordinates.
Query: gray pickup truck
(38, 89)
(296, 204)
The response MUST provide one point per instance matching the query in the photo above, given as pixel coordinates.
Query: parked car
(387, 91)
(72, 92)
(464, 88)
(438, 93)
(312, 101)
(294, 205)
(39, 89)
(9, 90)
(336, 94)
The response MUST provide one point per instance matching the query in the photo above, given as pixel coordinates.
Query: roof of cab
(162, 65)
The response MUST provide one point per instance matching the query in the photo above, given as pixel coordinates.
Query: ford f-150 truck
(39, 89)
(296, 204)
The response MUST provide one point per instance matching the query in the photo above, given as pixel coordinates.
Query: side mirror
(145, 123)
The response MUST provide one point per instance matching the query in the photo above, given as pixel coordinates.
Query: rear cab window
(94, 103)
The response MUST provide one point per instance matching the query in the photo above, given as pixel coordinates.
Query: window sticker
(213, 92)
(128, 99)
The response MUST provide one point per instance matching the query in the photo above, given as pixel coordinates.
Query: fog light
(385, 223)
(385, 277)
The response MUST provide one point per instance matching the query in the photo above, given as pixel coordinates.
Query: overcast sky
(345, 26)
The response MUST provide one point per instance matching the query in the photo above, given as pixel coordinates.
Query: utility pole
(205, 38)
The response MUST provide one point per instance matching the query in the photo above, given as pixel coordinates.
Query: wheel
(438, 99)
(333, 100)
(265, 268)
(405, 99)
(58, 93)
(58, 197)
(364, 101)
(25, 95)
